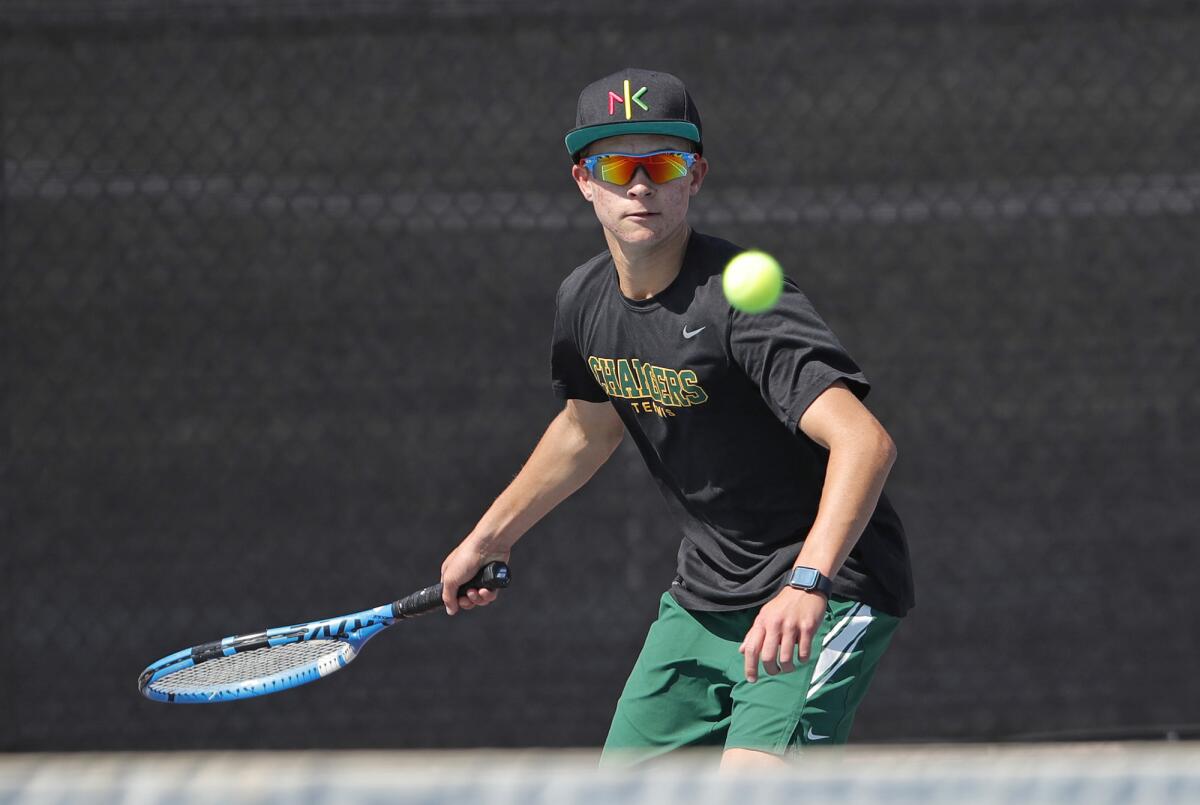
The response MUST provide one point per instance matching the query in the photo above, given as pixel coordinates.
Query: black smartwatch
(810, 579)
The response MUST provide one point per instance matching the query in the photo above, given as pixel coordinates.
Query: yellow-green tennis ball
(753, 281)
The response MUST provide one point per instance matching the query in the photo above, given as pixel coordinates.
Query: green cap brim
(580, 139)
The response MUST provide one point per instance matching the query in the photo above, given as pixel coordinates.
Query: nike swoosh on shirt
(687, 334)
(812, 736)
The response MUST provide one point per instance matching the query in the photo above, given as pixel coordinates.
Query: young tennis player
(793, 568)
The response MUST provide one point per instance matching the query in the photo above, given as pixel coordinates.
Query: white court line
(1130, 774)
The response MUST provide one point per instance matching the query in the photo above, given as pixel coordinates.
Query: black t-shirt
(712, 397)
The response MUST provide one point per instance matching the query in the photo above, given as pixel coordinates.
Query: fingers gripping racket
(243, 666)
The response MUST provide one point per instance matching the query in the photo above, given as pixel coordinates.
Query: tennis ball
(753, 281)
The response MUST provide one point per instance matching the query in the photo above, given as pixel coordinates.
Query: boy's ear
(581, 177)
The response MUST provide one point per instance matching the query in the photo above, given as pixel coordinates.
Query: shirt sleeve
(569, 373)
(791, 355)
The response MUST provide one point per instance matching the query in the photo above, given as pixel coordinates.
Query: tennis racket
(244, 666)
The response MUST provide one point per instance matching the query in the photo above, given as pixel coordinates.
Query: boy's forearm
(563, 461)
(854, 480)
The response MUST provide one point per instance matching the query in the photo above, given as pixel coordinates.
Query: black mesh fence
(278, 283)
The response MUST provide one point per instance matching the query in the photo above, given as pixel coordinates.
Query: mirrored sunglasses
(660, 166)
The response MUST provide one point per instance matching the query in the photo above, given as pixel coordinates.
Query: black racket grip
(492, 576)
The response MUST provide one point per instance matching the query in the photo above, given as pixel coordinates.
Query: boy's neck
(645, 271)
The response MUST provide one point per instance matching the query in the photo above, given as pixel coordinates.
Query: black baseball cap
(633, 101)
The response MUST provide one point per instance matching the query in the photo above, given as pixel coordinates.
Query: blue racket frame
(349, 631)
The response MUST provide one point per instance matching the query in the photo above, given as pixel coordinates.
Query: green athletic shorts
(688, 687)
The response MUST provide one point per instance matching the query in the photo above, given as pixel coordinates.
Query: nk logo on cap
(614, 99)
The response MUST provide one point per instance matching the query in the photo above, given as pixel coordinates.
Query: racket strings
(261, 663)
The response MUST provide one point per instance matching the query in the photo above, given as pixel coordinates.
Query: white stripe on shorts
(839, 645)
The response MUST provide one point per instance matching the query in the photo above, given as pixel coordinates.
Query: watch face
(805, 577)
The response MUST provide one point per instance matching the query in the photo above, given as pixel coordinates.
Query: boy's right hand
(460, 566)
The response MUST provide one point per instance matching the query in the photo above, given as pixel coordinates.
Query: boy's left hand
(785, 626)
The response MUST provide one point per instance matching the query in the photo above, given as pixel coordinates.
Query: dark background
(278, 285)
